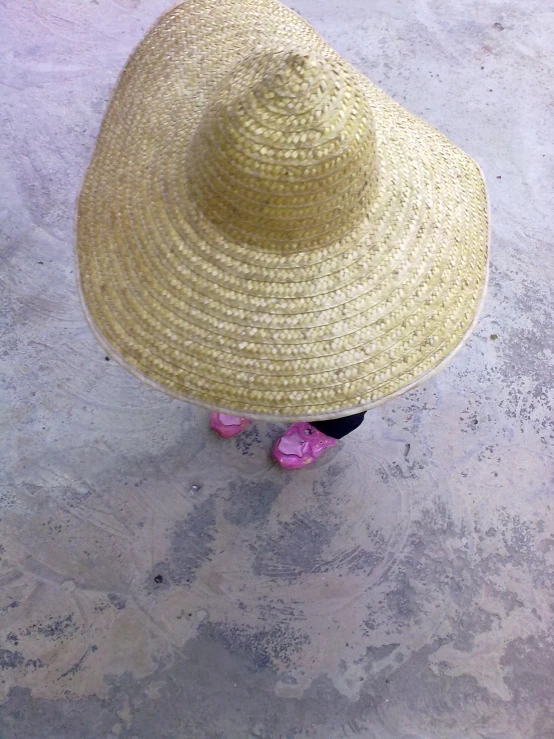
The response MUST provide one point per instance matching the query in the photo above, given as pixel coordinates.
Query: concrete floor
(404, 588)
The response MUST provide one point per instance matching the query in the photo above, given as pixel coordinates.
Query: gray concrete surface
(403, 589)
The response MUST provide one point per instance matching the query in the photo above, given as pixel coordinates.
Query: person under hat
(264, 232)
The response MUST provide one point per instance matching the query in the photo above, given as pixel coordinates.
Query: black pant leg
(337, 428)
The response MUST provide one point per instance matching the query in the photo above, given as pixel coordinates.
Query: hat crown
(284, 156)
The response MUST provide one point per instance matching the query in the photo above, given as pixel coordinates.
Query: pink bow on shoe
(227, 426)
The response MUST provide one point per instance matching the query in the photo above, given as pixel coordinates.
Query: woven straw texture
(264, 232)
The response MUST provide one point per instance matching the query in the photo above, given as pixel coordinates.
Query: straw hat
(264, 232)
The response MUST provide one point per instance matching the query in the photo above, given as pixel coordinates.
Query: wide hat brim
(310, 335)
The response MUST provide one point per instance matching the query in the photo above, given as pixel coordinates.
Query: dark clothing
(336, 428)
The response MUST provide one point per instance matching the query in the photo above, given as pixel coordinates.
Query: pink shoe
(301, 444)
(227, 426)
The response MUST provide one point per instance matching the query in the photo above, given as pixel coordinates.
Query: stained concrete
(402, 589)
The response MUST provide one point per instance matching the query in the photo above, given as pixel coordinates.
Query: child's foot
(227, 426)
(301, 444)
